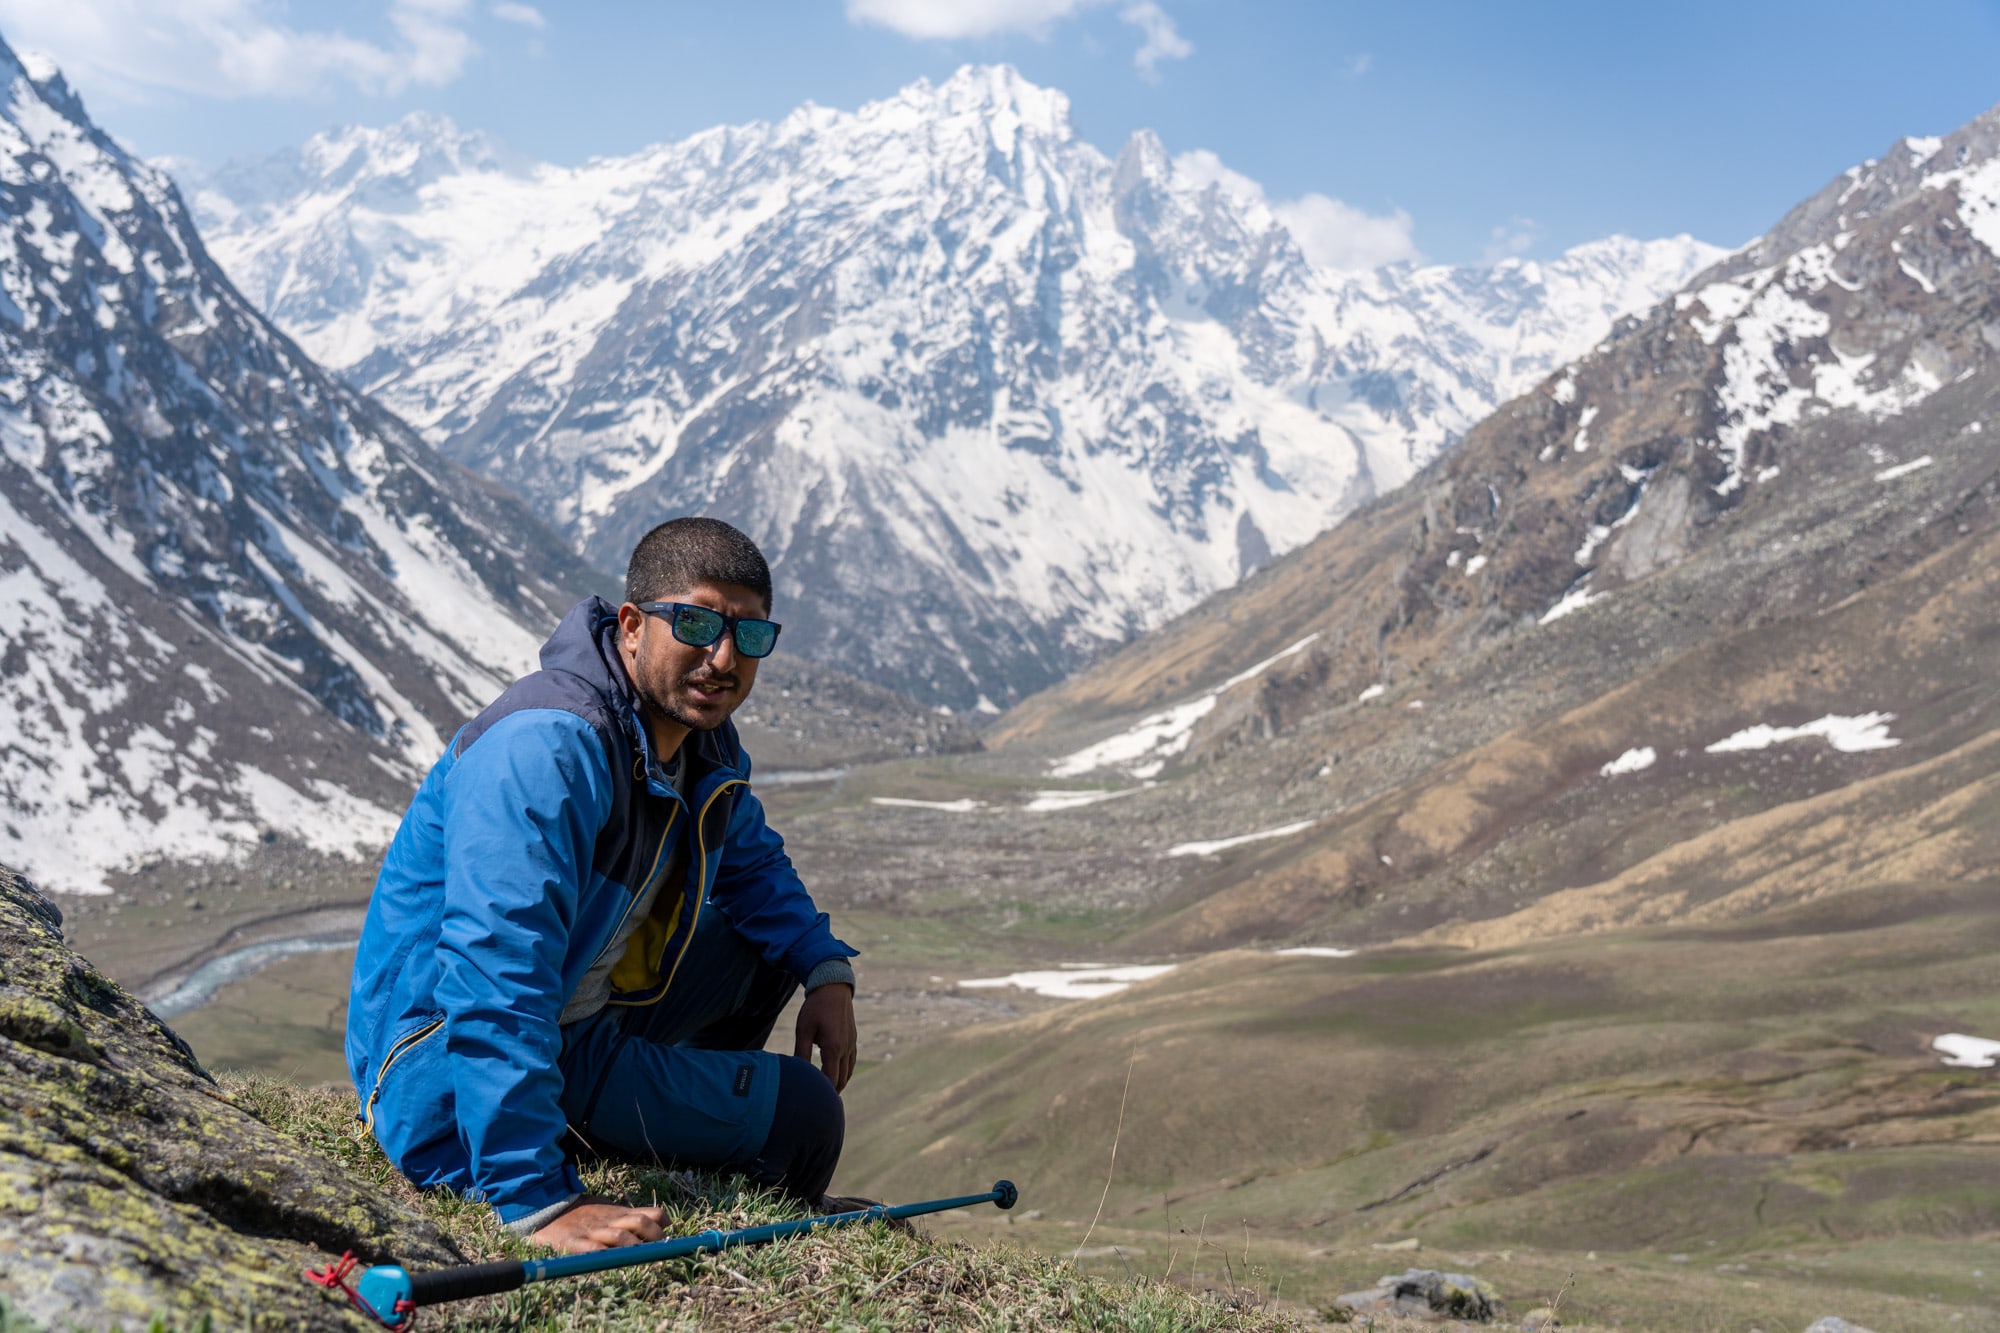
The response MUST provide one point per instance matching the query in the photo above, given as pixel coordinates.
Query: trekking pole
(392, 1296)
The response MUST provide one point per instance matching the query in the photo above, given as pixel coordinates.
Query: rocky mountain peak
(419, 148)
(992, 94)
(1912, 166)
(383, 167)
(936, 354)
(47, 77)
(1816, 353)
(1142, 162)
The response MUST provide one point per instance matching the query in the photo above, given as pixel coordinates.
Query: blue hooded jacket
(523, 851)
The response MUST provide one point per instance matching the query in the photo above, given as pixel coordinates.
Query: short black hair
(682, 552)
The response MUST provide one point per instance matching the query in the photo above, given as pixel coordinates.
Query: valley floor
(1733, 1125)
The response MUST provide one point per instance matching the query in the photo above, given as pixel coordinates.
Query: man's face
(697, 688)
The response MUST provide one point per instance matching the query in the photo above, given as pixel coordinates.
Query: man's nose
(722, 653)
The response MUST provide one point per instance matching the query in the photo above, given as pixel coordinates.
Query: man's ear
(630, 621)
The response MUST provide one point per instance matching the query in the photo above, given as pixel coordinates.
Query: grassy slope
(1752, 1093)
(861, 1278)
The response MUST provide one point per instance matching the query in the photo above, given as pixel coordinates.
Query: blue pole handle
(392, 1295)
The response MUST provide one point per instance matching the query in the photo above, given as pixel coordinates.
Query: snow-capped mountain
(992, 399)
(1700, 627)
(239, 603)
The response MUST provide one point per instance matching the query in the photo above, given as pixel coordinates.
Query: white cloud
(136, 49)
(950, 20)
(1199, 167)
(1163, 40)
(1340, 236)
(1358, 65)
(1333, 235)
(525, 15)
(1511, 241)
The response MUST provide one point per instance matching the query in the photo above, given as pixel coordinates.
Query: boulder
(1425, 1293)
(1835, 1324)
(132, 1187)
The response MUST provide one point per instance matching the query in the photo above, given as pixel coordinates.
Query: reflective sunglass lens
(756, 638)
(696, 627)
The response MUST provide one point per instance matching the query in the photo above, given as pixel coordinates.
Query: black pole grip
(461, 1284)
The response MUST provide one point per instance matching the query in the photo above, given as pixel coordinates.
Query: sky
(1446, 132)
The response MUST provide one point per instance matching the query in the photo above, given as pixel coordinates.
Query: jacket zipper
(396, 1052)
(701, 877)
(672, 819)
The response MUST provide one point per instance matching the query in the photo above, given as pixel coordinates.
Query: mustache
(712, 679)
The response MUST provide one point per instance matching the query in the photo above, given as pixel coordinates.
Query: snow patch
(1632, 761)
(1224, 844)
(1583, 428)
(1574, 600)
(793, 777)
(963, 806)
(1849, 735)
(1143, 749)
(1080, 982)
(1047, 801)
(1904, 469)
(1967, 1052)
(1315, 951)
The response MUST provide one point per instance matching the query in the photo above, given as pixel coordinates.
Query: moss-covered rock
(132, 1186)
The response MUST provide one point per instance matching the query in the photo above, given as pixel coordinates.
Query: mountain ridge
(236, 592)
(1021, 397)
(1724, 572)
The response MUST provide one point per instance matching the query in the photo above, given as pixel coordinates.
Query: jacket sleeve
(522, 810)
(762, 896)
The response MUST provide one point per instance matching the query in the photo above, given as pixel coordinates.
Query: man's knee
(808, 1127)
(807, 1101)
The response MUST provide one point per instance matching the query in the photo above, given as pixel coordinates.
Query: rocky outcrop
(1425, 1293)
(132, 1186)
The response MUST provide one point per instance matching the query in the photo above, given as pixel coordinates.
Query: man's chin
(704, 715)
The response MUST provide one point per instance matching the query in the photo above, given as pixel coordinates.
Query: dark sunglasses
(698, 627)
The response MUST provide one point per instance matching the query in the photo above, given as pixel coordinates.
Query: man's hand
(593, 1223)
(826, 1020)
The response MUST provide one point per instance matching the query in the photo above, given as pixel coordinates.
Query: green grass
(860, 1278)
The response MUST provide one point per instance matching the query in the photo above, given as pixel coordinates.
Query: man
(584, 923)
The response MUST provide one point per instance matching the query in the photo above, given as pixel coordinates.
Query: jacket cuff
(541, 1202)
(828, 973)
(535, 1221)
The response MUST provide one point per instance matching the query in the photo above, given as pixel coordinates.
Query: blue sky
(1465, 130)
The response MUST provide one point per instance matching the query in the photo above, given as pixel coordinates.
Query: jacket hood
(585, 645)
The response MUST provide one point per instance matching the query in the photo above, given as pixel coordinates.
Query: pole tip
(1006, 1195)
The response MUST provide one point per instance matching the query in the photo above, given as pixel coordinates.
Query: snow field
(1144, 749)
(1093, 981)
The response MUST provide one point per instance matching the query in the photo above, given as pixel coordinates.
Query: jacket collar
(585, 645)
